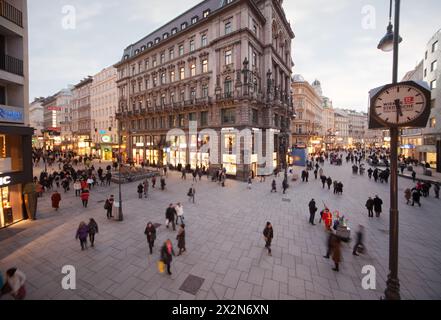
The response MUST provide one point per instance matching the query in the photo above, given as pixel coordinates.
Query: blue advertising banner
(8, 114)
(299, 156)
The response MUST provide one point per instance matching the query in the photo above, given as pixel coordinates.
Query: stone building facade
(81, 118)
(104, 103)
(307, 127)
(225, 65)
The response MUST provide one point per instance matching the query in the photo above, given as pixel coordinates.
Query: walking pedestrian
(140, 190)
(163, 184)
(56, 198)
(153, 182)
(85, 197)
(108, 206)
(315, 174)
(416, 197)
(336, 252)
(82, 233)
(181, 239)
(183, 176)
(167, 254)
(146, 187)
(93, 229)
(273, 186)
(268, 234)
(413, 176)
(377, 206)
(15, 280)
(370, 171)
(150, 232)
(370, 207)
(359, 240)
(170, 214)
(329, 182)
(249, 183)
(77, 188)
(329, 242)
(179, 212)
(323, 179)
(407, 195)
(312, 211)
(191, 193)
(284, 185)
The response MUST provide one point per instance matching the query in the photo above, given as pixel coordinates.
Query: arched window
(193, 70)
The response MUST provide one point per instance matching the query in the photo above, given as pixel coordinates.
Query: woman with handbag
(167, 254)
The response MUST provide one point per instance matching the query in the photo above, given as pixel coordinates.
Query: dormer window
(184, 25)
(142, 48)
(165, 36)
(206, 13)
(150, 44)
(136, 51)
(194, 20)
(126, 57)
(174, 30)
(157, 40)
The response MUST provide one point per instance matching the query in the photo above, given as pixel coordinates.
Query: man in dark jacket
(416, 197)
(323, 178)
(329, 182)
(170, 214)
(359, 240)
(312, 211)
(377, 206)
(370, 207)
(268, 234)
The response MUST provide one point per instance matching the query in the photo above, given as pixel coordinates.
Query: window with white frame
(192, 69)
(181, 50)
(228, 57)
(204, 40)
(228, 27)
(192, 46)
(204, 65)
(182, 73)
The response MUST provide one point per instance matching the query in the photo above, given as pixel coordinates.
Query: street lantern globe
(387, 42)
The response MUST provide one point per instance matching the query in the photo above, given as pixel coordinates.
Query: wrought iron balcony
(11, 64)
(11, 13)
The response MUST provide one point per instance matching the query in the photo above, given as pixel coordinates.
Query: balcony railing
(11, 13)
(11, 64)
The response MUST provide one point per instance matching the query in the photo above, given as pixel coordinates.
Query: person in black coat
(370, 207)
(167, 254)
(268, 234)
(150, 232)
(323, 178)
(416, 197)
(377, 206)
(140, 190)
(93, 229)
(181, 239)
(273, 186)
(170, 214)
(329, 182)
(312, 210)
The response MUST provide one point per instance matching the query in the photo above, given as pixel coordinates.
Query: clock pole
(392, 291)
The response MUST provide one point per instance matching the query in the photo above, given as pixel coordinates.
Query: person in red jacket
(327, 218)
(56, 198)
(85, 197)
(83, 184)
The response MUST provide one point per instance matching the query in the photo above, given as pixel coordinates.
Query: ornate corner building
(224, 64)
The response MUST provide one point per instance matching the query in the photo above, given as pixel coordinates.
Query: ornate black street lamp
(391, 42)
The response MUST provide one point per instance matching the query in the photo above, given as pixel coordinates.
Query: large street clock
(404, 104)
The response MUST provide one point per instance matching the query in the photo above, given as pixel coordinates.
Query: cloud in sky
(330, 45)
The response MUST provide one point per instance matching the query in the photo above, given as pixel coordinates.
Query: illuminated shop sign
(8, 114)
(4, 181)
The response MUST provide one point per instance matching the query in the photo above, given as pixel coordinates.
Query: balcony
(11, 13)
(11, 64)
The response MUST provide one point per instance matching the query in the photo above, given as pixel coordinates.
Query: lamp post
(391, 42)
(120, 210)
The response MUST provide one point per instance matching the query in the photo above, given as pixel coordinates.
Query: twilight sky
(332, 42)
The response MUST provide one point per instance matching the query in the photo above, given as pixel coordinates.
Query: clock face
(400, 104)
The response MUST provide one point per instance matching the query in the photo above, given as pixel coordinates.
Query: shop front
(427, 154)
(83, 145)
(15, 172)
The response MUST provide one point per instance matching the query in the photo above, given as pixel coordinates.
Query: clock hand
(398, 105)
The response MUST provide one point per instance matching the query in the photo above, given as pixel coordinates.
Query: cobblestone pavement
(225, 245)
